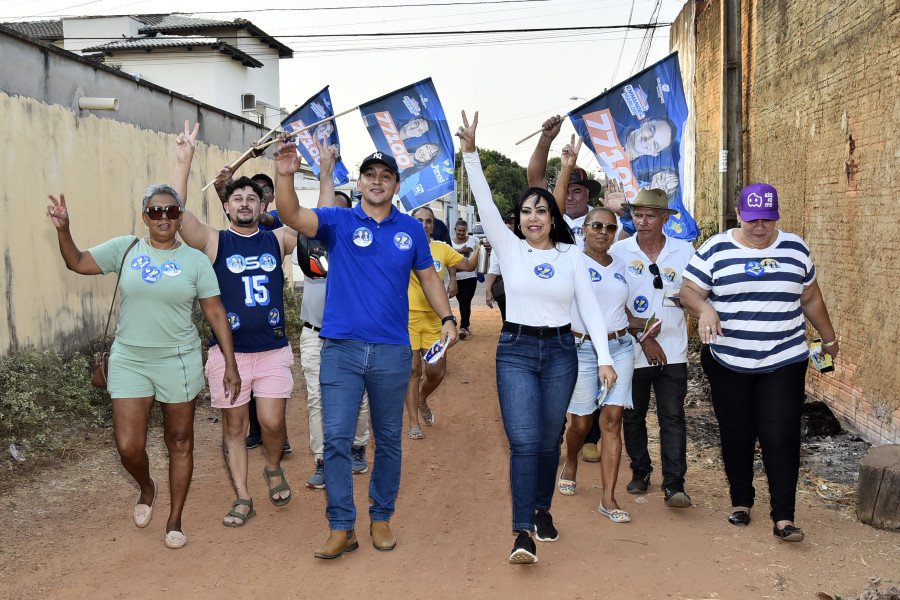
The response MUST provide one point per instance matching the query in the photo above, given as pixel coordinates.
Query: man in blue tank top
(371, 250)
(247, 262)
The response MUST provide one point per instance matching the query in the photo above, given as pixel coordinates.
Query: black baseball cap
(380, 158)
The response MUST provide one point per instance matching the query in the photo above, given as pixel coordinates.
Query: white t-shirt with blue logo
(644, 300)
(611, 288)
(540, 284)
(757, 295)
(472, 242)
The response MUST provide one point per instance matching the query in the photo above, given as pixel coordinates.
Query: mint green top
(158, 288)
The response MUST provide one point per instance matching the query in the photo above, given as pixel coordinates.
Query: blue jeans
(535, 379)
(348, 368)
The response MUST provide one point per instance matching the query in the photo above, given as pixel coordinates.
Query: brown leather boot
(338, 542)
(382, 538)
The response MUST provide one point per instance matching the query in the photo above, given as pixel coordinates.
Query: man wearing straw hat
(371, 250)
(654, 263)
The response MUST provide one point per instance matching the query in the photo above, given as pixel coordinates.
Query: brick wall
(821, 123)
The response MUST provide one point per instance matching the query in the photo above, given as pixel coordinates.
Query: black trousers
(464, 296)
(763, 406)
(670, 384)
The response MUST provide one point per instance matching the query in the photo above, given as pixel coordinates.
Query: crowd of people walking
(593, 321)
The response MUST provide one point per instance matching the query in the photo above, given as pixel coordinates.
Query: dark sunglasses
(608, 227)
(172, 212)
(657, 280)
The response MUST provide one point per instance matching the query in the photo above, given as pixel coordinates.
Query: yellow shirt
(444, 256)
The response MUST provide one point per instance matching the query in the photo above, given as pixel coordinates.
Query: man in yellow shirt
(425, 327)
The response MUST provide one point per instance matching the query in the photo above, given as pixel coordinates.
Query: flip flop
(616, 515)
(143, 513)
(279, 472)
(243, 517)
(415, 432)
(175, 540)
(427, 414)
(566, 486)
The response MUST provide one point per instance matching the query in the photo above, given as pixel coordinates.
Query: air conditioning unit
(248, 101)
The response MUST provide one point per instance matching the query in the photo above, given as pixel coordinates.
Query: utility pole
(731, 155)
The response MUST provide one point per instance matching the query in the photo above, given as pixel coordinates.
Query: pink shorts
(267, 374)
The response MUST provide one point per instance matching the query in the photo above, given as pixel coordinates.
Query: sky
(515, 81)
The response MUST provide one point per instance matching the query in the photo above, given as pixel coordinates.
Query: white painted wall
(102, 30)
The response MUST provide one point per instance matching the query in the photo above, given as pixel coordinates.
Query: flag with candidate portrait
(410, 125)
(635, 130)
(312, 111)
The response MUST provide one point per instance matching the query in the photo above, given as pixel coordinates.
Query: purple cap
(758, 201)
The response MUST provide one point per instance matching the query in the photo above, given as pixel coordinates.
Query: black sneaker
(543, 523)
(639, 484)
(253, 441)
(286, 449)
(676, 498)
(788, 533)
(524, 551)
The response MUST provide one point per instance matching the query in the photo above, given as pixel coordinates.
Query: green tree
(505, 177)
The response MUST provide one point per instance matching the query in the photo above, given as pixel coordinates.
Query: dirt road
(72, 536)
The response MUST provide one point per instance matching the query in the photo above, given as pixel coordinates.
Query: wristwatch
(448, 318)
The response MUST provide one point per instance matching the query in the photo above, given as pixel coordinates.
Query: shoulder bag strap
(116, 291)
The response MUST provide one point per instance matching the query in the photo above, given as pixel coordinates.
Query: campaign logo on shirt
(636, 267)
(621, 278)
(595, 276)
(274, 317)
(754, 269)
(438, 266)
(171, 268)
(234, 321)
(140, 262)
(403, 240)
(669, 274)
(362, 237)
(236, 263)
(641, 304)
(578, 231)
(770, 265)
(268, 263)
(544, 271)
(151, 274)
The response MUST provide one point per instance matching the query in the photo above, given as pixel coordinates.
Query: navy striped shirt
(757, 296)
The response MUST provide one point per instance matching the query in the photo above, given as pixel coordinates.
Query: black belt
(311, 326)
(538, 332)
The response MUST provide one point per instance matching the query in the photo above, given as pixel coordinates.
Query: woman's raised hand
(57, 211)
(466, 133)
(186, 142)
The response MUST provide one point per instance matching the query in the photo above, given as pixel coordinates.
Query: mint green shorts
(171, 375)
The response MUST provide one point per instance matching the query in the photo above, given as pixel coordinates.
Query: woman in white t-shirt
(537, 365)
(466, 282)
(607, 275)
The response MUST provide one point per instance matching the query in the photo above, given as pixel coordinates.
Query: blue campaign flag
(636, 132)
(410, 125)
(313, 110)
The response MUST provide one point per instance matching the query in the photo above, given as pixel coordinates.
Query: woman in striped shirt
(752, 289)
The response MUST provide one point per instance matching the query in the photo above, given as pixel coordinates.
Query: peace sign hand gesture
(570, 152)
(186, 142)
(466, 133)
(58, 213)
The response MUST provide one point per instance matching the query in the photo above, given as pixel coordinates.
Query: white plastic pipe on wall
(98, 103)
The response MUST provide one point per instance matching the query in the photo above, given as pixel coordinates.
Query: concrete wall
(103, 162)
(820, 114)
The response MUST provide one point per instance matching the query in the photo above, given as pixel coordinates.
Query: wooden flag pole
(529, 136)
(262, 146)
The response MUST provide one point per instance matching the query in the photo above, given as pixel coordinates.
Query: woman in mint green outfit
(156, 353)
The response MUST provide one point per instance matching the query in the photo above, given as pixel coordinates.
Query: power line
(622, 49)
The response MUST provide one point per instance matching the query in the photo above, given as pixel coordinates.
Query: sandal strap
(242, 502)
(276, 472)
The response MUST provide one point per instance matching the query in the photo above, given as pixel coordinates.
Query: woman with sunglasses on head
(607, 275)
(156, 352)
(537, 364)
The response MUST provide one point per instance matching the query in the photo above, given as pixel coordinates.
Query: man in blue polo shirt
(371, 250)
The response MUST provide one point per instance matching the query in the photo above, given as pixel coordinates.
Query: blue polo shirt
(368, 273)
